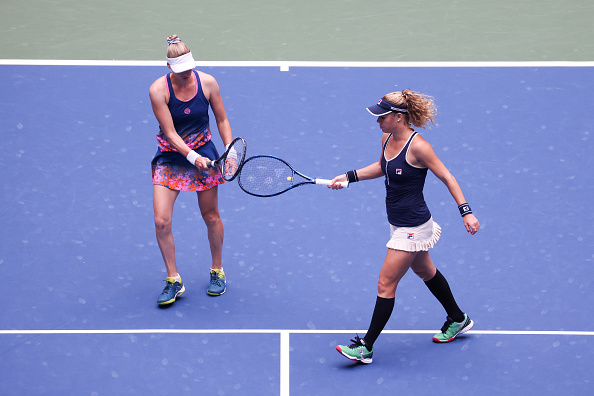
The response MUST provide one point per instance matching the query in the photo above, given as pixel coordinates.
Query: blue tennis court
(82, 268)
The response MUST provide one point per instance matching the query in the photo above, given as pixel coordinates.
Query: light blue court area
(82, 269)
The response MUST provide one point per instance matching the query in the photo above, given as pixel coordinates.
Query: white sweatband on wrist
(192, 156)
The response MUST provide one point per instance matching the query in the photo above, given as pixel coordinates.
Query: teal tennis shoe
(451, 329)
(357, 351)
(173, 289)
(218, 282)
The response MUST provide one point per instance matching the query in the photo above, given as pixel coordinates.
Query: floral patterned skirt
(172, 170)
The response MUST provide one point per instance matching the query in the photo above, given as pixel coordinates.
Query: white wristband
(192, 156)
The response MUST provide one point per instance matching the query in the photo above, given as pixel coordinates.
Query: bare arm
(213, 94)
(372, 171)
(424, 155)
(158, 95)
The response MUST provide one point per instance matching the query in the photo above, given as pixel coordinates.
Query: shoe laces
(214, 278)
(168, 287)
(447, 324)
(357, 342)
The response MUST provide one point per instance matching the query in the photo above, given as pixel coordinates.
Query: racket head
(268, 176)
(232, 160)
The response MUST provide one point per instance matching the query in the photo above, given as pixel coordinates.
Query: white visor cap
(182, 63)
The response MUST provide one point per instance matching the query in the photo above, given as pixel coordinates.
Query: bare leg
(208, 201)
(163, 200)
(396, 264)
(423, 266)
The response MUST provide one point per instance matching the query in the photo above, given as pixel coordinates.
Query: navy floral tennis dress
(191, 121)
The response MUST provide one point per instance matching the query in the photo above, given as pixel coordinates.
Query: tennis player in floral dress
(180, 101)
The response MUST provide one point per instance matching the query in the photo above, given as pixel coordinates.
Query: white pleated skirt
(414, 239)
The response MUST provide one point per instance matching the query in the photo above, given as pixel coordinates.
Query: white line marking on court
(285, 363)
(287, 332)
(285, 345)
(286, 65)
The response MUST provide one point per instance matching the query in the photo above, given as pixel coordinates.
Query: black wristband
(352, 176)
(464, 209)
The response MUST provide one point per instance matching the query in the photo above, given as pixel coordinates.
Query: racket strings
(266, 176)
(232, 163)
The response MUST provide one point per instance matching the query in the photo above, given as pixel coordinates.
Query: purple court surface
(81, 269)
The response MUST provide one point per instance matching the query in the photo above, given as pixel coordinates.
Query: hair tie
(173, 41)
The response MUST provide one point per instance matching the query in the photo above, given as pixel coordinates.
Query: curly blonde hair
(421, 108)
(176, 49)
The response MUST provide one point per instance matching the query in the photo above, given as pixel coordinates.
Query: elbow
(449, 179)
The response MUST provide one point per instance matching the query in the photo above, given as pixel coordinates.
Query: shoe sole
(178, 294)
(464, 330)
(363, 360)
(216, 294)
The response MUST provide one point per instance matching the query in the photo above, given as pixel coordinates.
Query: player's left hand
(471, 223)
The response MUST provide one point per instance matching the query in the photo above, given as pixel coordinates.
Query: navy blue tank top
(190, 118)
(405, 203)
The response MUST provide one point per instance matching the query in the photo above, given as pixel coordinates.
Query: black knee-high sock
(381, 315)
(438, 285)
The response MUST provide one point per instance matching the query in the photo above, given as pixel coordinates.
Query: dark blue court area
(81, 269)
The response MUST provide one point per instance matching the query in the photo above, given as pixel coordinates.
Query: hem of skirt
(189, 188)
(414, 246)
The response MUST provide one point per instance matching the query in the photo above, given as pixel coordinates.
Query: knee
(162, 224)
(423, 267)
(386, 287)
(425, 273)
(211, 217)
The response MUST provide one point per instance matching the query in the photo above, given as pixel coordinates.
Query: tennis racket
(230, 163)
(267, 176)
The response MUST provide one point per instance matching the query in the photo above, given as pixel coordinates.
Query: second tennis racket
(268, 176)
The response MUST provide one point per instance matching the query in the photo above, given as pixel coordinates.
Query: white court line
(285, 364)
(285, 346)
(285, 331)
(286, 65)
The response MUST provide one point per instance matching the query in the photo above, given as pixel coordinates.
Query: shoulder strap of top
(198, 83)
(169, 86)
(386, 142)
(199, 88)
(405, 149)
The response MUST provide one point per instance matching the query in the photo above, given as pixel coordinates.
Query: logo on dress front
(187, 111)
(398, 171)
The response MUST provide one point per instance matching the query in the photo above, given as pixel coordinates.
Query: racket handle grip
(211, 164)
(327, 182)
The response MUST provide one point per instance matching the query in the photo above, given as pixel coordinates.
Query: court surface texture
(80, 264)
(82, 268)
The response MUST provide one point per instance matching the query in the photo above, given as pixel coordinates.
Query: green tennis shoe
(451, 329)
(357, 351)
